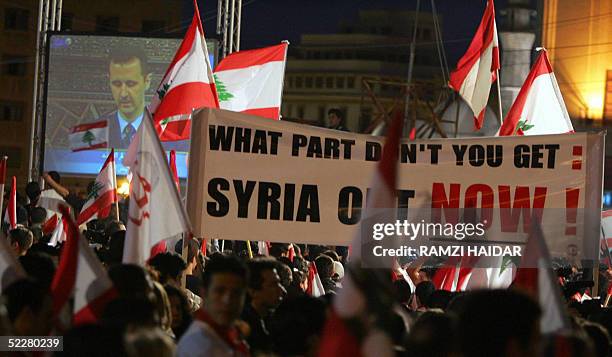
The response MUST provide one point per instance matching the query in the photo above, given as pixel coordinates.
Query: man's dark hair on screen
(125, 54)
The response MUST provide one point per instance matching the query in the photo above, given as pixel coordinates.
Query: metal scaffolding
(229, 14)
(49, 19)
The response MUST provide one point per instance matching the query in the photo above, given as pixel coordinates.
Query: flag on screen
(251, 81)
(478, 67)
(89, 136)
(539, 107)
(536, 277)
(10, 216)
(103, 194)
(155, 211)
(187, 85)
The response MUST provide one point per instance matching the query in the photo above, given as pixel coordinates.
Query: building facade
(18, 23)
(328, 70)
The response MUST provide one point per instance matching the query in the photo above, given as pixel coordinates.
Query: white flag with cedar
(89, 136)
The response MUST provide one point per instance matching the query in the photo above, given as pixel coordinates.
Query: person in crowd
(38, 217)
(21, 240)
(164, 310)
(325, 268)
(516, 316)
(131, 281)
(179, 307)
(193, 271)
(296, 326)
(171, 268)
(32, 190)
(40, 267)
(336, 119)
(433, 334)
(285, 274)
(149, 342)
(213, 332)
(423, 293)
(29, 308)
(265, 294)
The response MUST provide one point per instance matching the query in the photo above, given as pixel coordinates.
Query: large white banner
(258, 179)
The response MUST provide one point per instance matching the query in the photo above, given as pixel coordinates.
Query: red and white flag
(187, 85)
(80, 274)
(315, 286)
(251, 81)
(93, 287)
(539, 107)
(10, 268)
(155, 212)
(10, 216)
(103, 193)
(478, 67)
(2, 180)
(60, 230)
(89, 136)
(174, 170)
(535, 276)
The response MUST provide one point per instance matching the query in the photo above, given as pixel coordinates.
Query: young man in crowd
(213, 332)
(265, 294)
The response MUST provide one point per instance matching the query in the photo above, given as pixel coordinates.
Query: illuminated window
(608, 97)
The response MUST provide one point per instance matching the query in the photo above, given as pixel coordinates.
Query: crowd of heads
(266, 298)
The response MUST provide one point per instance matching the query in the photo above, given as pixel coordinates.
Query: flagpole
(499, 102)
(115, 184)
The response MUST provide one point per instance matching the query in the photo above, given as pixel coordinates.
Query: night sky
(267, 22)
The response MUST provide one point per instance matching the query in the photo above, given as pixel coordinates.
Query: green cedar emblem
(222, 92)
(163, 90)
(93, 194)
(522, 125)
(88, 137)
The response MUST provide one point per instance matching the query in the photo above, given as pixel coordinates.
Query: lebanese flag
(103, 194)
(10, 216)
(187, 85)
(535, 276)
(89, 136)
(478, 67)
(315, 286)
(251, 81)
(155, 212)
(93, 287)
(454, 275)
(174, 170)
(10, 268)
(80, 274)
(539, 107)
(60, 230)
(2, 180)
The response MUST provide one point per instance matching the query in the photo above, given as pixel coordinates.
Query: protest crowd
(231, 299)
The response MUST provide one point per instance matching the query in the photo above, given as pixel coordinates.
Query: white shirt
(200, 340)
(123, 122)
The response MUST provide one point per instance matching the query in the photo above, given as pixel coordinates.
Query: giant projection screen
(83, 86)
